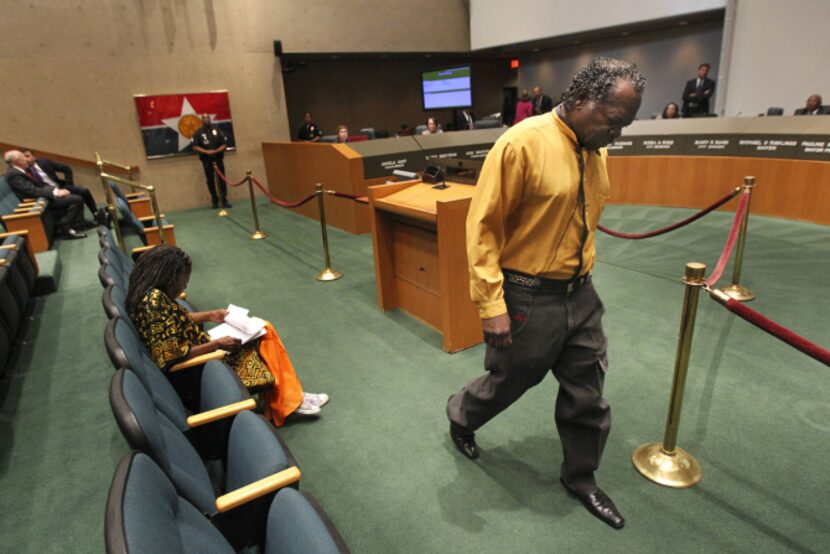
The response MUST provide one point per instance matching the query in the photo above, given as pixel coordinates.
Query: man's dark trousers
(69, 212)
(211, 178)
(555, 332)
(84, 193)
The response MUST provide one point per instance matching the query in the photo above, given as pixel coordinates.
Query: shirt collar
(564, 129)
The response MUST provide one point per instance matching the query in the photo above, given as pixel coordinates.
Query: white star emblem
(175, 123)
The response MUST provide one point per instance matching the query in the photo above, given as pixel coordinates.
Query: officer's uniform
(210, 138)
(309, 131)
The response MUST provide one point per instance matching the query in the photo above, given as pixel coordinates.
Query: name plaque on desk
(662, 145)
(624, 147)
(814, 148)
(767, 146)
(711, 145)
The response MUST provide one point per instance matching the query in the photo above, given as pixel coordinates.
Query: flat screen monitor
(447, 88)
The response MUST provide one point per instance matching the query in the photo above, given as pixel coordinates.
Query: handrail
(71, 160)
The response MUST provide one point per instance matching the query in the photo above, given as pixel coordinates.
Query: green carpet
(756, 412)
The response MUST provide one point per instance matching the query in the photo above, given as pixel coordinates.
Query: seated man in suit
(47, 171)
(813, 107)
(68, 207)
(697, 93)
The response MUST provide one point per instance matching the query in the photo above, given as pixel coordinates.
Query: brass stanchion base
(329, 274)
(678, 469)
(258, 235)
(739, 293)
(223, 213)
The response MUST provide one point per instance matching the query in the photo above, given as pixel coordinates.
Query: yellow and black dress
(169, 332)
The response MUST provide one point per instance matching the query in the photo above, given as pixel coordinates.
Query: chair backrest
(146, 515)
(775, 111)
(8, 199)
(9, 307)
(129, 216)
(114, 299)
(420, 129)
(369, 132)
(297, 524)
(486, 124)
(5, 345)
(147, 429)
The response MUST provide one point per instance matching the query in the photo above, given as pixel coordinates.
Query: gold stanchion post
(156, 212)
(328, 274)
(111, 209)
(666, 463)
(736, 290)
(222, 211)
(258, 234)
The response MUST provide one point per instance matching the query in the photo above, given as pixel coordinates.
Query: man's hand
(217, 316)
(228, 343)
(60, 193)
(497, 331)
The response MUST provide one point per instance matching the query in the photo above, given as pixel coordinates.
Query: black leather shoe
(600, 506)
(72, 234)
(466, 444)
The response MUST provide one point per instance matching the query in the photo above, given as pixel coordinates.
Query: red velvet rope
(279, 202)
(674, 226)
(236, 184)
(782, 333)
(343, 194)
(730, 242)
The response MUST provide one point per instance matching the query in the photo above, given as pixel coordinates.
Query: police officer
(210, 143)
(309, 131)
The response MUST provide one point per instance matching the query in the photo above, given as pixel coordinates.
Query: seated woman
(432, 127)
(671, 111)
(172, 335)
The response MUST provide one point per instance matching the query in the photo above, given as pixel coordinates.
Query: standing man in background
(309, 132)
(541, 103)
(530, 250)
(697, 93)
(210, 143)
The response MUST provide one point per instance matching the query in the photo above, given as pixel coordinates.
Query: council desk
(681, 163)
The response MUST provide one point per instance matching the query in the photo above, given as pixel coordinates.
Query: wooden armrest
(183, 295)
(26, 210)
(134, 195)
(257, 489)
(8, 247)
(220, 413)
(2, 261)
(21, 233)
(149, 218)
(25, 215)
(142, 249)
(24, 204)
(29, 200)
(199, 360)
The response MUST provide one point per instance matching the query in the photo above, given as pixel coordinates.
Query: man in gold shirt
(530, 249)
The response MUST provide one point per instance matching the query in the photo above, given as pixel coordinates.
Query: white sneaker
(318, 400)
(306, 409)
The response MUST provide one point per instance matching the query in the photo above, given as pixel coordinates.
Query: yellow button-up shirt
(525, 213)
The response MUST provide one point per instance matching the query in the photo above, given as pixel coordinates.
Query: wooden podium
(421, 257)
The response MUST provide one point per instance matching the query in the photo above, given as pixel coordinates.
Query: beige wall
(70, 69)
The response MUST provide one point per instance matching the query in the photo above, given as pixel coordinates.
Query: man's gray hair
(597, 80)
(10, 156)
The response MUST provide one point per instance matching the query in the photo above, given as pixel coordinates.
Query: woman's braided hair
(160, 268)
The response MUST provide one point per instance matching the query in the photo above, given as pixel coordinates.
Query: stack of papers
(238, 325)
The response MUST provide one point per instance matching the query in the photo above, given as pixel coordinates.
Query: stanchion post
(156, 212)
(111, 209)
(222, 212)
(328, 274)
(258, 234)
(666, 463)
(736, 290)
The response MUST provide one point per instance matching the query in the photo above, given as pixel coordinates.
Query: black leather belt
(545, 285)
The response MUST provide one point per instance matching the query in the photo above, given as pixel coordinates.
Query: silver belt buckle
(571, 287)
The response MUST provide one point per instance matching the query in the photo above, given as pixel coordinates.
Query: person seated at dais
(173, 335)
(432, 127)
(813, 107)
(671, 111)
(342, 133)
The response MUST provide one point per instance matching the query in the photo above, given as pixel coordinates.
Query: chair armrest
(220, 413)
(29, 200)
(24, 204)
(8, 247)
(136, 195)
(257, 489)
(21, 233)
(149, 218)
(26, 215)
(183, 295)
(26, 210)
(199, 360)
